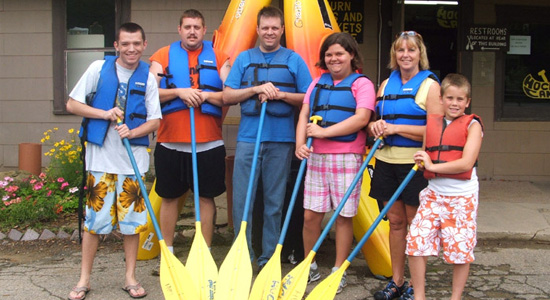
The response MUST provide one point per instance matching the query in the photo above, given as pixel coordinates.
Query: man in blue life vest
(117, 87)
(188, 75)
(280, 76)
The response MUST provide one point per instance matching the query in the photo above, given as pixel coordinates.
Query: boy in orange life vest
(448, 206)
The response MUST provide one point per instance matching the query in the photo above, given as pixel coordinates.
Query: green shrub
(34, 199)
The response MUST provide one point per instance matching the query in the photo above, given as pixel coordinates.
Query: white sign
(520, 44)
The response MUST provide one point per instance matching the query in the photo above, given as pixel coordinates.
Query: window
(83, 31)
(526, 86)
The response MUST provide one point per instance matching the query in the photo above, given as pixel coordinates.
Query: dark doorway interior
(438, 26)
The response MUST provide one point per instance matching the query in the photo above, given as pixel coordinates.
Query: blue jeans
(274, 166)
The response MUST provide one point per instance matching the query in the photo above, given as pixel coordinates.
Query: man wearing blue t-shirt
(280, 76)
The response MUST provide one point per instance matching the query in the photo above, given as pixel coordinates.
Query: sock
(313, 265)
(171, 248)
(334, 269)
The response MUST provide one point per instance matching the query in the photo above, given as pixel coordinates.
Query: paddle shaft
(141, 185)
(254, 162)
(383, 213)
(301, 172)
(346, 196)
(194, 164)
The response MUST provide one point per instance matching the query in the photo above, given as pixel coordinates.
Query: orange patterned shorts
(447, 222)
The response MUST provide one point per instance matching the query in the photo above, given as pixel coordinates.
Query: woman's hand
(303, 152)
(378, 128)
(316, 131)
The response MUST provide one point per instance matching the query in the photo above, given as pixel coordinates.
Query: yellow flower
(110, 181)
(55, 128)
(71, 130)
(42, 140)
(52, 150)
(113, 214)
(95, 194)
(121, 211)
(142, 228)
(131, 193)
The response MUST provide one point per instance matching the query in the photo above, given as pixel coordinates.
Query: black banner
(350, 17)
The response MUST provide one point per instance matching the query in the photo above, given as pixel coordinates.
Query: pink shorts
(327, 180)
(447, 222)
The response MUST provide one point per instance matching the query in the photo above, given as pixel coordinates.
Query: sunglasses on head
(409, 33)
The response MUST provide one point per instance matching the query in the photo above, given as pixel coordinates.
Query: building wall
(511, 150)
(26, 85)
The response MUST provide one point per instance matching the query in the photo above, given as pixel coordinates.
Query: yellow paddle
(295, 282)
(236, 270)
(200, 262)
(326, 290)
(268, 283)
(174, 277)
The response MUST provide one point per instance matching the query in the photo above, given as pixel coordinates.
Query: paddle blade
(268, 283)
(235, 275)
(175, 279)
(326, 289)
(201, 264)
(294, 284)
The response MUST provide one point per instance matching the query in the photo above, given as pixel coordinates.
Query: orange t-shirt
(175, 127)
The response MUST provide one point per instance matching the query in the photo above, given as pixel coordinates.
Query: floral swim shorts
(447, 222)
(113, 199)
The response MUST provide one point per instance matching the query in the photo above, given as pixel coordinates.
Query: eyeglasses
(409, 33)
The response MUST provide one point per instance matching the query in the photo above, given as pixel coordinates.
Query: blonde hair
(457, 80)
(415, 40)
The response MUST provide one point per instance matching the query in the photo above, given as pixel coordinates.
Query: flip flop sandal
(78, 290)
(129, 288)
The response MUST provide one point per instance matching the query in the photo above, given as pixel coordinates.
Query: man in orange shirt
(188, 75)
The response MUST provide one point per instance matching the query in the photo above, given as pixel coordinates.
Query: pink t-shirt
(365, 96)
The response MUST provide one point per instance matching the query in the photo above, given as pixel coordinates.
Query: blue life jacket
(259, 72)
(135, 112)
(398, 106)
(177, 76)
(334, 103)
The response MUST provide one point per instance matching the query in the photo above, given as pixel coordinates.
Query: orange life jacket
(446, 142)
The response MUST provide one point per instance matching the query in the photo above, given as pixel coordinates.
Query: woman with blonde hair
(404, 99)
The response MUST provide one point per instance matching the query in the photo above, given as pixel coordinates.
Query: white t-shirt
(112, 157)
(455, 187)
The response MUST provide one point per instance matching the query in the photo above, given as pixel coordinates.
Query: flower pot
(30, 157)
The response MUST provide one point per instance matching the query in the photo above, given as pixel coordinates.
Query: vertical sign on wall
(350, 16)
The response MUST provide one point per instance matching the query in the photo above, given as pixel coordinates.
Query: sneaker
(343, 283)
(391, 291)
(156, 269)
(291, 258)
(408, 294)
(314, 275)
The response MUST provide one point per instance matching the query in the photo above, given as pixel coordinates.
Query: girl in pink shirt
(345, 101)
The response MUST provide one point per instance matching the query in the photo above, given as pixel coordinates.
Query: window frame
(507, 14)
(59, 45)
